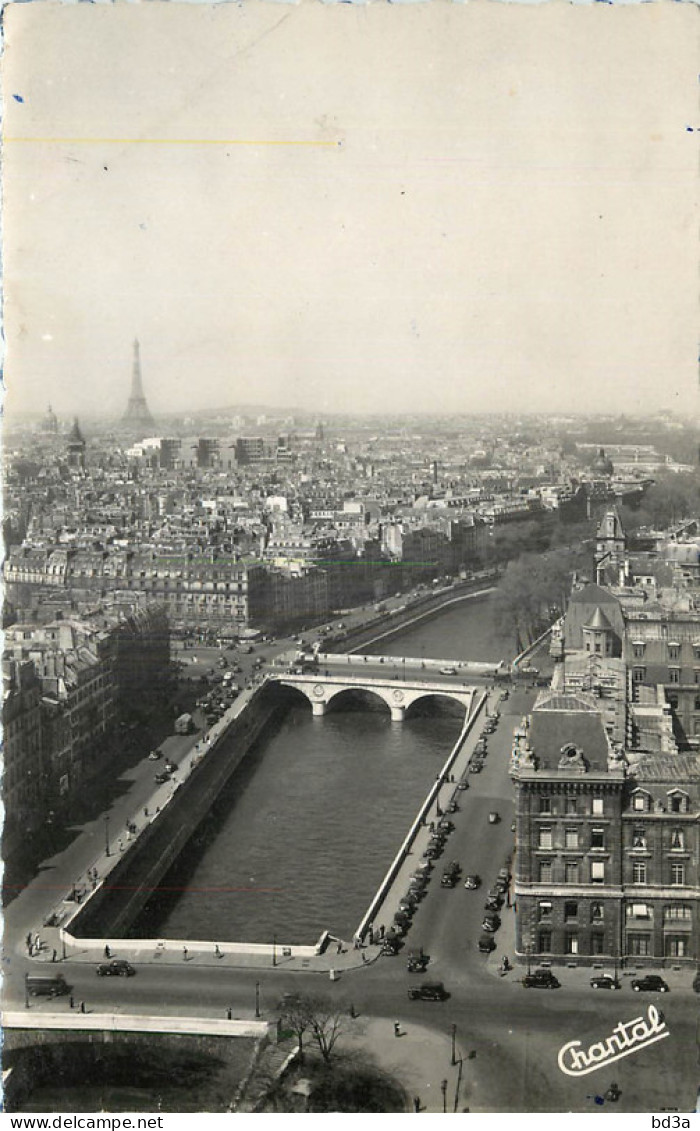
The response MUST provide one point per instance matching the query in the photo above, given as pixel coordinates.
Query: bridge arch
(363, 696)
(429, 701)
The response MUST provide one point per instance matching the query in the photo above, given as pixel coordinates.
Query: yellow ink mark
(166, 141)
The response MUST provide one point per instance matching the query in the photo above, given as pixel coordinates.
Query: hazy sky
(352, 208)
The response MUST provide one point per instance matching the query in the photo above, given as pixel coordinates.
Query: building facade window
(571, 943)
(674, 676)
(674, 651)
(638, 650)
(545, 805)
(677, 875)
(544, 942)
(597, 838)
(571, 872)
(570, 806)
(639, 946)
(639, 838)
(677, 840)
(571, 838)
(676, 946)
(638, 675)
(597, 807)
(545, 910)
(678, 802)
(596, 912)
(678, 912)
(640, 802)
(597, 871)
(597, 942)
(545, 837)
(570, 911)
(639, 872)
(545, 871)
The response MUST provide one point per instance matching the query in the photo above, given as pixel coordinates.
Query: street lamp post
(257, 999)
(107, 852)
(454, 1047)
(443, 1089)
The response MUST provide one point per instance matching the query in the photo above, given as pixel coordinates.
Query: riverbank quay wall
(113, 906)
(391, 624)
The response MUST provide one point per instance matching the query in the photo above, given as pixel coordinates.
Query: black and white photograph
(351, 563)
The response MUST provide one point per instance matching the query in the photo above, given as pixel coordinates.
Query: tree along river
(306, 828)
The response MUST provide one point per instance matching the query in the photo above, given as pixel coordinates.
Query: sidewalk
(420, 1058)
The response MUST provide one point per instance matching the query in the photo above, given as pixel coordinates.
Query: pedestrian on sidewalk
(29, 941)
(108, 953)
(71, 1001)
(37, 942)
(217, 951)
(53, 956)
(381, 931)
(228, 1013)
(397, 1029)
(82, 1007)
(416, 1103)
(340, 947)
(184, 953)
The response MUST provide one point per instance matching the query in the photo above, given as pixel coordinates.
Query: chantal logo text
(626, 1038)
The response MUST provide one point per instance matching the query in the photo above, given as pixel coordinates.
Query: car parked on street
(486, 943)
(650, 983)
(541, 980)
(448, 671)
(472, 882)
(605, 982)
(491, 923)
(117, 968)
(429, 991)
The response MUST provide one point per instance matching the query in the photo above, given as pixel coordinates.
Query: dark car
(474, 768)
(429, 991)
(696, 982)
(162, 777)
(651, 983)
(486, 943)
(448, 881)
(417, 963)
(493, 903)
(491, 923)
(605, 982)
(117, 968)
(541, 980)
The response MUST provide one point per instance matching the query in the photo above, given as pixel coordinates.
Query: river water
(309, 824)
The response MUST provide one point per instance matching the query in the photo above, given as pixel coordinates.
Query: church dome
(601, 464)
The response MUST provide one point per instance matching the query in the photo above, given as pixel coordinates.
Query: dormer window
(640, 802)
(678, 801)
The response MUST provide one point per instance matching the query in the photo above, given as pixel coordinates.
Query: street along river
(306, 828)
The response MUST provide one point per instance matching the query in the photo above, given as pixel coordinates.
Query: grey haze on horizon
(491, 209)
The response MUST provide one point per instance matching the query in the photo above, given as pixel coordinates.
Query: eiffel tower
(137, 413)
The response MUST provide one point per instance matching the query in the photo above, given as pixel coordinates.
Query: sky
(342, 208)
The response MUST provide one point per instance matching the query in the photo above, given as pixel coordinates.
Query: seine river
(309, 824)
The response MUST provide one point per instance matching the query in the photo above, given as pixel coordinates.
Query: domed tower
(50, 422)
(602, 465)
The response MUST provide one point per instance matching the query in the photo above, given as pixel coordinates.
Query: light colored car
(448, 671)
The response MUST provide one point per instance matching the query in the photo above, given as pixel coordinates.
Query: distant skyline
(376, 209)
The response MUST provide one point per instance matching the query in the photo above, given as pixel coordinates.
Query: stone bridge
(398, 694)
